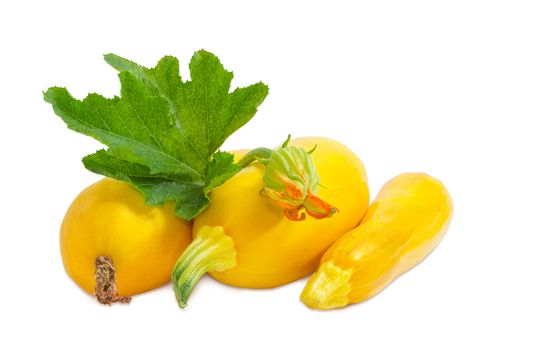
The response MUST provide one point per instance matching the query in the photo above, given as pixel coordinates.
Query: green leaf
(203, 107)
(220, 169)
(162, 132)
(190, 197)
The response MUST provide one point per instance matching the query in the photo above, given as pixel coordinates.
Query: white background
(444, 87)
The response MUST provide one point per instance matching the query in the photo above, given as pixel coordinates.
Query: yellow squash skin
(403, 225)
(109, 218)
(271, 249)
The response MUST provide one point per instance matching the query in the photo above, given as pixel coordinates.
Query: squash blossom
(292, 181)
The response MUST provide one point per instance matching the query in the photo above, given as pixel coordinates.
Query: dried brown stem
(105, 288)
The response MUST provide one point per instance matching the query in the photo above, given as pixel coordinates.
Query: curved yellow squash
(109, 219)
(272, 250)
(403, 225)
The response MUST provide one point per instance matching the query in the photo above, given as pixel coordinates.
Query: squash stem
(211, 250)
(328, 288)
(261, 154)
(105, 287)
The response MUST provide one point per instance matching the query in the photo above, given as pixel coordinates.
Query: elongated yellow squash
(403, 225)
(245, 239)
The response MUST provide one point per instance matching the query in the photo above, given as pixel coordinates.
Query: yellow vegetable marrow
(115, 246)
(244, 239)
(403, 225)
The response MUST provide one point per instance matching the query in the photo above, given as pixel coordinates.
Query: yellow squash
(403, 225)
(110, 236)
(245, 239)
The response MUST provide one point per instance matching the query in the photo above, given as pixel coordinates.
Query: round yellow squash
(133, 245)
